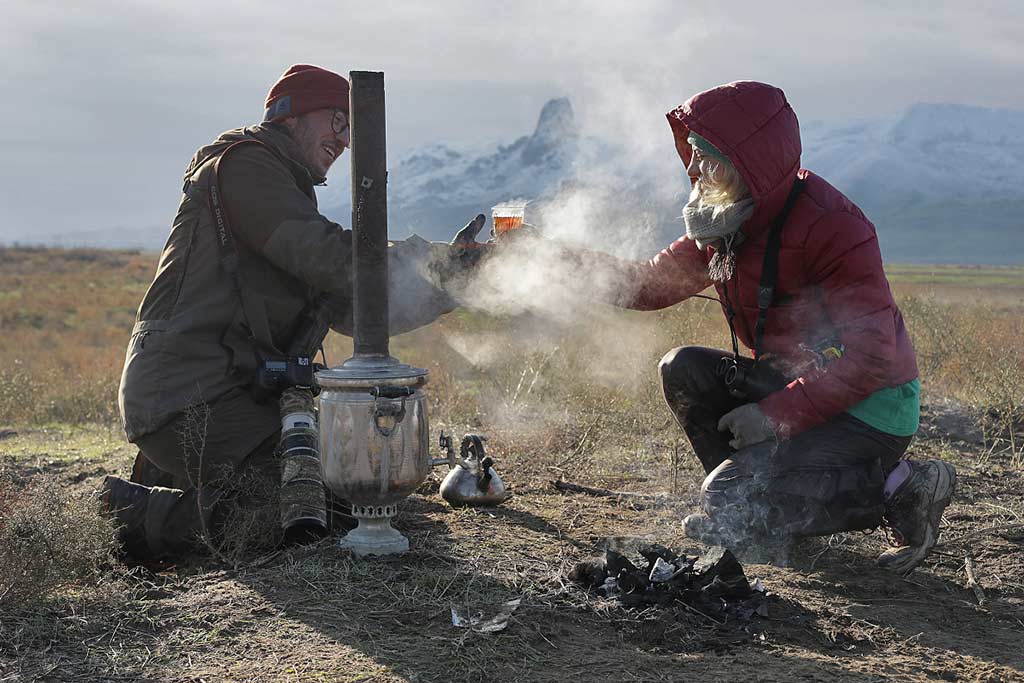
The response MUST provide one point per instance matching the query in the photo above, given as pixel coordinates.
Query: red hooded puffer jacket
(830, 283)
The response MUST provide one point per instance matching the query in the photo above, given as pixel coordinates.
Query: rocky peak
(556, 132)
(556, 117)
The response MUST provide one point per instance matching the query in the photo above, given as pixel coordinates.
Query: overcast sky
(108, 100)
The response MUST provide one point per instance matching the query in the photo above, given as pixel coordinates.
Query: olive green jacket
(190, 344)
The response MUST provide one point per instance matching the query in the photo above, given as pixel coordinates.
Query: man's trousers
(212, 460)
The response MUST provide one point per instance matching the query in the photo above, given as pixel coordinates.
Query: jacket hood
(754, 126)
(269, 134)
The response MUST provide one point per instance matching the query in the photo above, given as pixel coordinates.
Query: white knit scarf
(706, 224)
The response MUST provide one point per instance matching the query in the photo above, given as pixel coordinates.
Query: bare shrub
(975, 355)
(246, 518)
(249, 522)
(49, 538)
(999, 396)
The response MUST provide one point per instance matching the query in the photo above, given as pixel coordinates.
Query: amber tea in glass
(508, 216)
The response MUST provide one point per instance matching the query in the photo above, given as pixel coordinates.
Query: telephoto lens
(303, 498)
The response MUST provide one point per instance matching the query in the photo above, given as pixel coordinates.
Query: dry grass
(590, 413)
(49, 538)
(65, 317)
(974, 355)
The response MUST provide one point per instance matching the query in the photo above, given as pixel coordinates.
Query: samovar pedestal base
(374, 535)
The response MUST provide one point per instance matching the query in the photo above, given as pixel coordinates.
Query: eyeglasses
(339, 123)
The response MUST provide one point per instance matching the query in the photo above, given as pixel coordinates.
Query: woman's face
(703, 167)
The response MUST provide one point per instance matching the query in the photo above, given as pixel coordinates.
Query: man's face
(322, 135)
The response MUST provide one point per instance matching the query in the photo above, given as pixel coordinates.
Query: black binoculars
(748, 379)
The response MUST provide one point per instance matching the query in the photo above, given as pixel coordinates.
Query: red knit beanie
(304, 88)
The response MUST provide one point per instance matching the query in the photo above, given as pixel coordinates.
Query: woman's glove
(748, 426)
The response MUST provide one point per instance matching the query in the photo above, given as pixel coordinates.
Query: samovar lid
(363, 371)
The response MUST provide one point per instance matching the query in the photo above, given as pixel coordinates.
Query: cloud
(107, 101)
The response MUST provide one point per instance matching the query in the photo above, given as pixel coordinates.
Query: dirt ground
(318, 614)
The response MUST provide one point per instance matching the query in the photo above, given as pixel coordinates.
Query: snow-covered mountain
(942, 183)
(929, 153)
(438, 188)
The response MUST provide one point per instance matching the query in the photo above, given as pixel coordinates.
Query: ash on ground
(712, 588)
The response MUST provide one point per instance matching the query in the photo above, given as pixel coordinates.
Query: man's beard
(309, 145)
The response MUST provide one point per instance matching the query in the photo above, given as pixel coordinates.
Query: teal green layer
(894, 410)
(703, 145)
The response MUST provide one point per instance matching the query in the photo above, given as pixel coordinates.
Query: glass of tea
(508, 216)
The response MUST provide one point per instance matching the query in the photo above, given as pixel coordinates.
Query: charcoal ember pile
(712, 586)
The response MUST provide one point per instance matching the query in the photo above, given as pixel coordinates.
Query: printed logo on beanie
(282, 106)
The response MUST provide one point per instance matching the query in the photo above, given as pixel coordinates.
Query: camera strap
(769, 276)
(770, 268)
(730, 317)
(258, 326)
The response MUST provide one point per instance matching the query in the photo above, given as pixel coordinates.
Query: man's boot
(126, 504)
(913, 513)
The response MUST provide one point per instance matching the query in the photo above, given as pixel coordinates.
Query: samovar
(374, 446)
(374, 434)
(373, 417)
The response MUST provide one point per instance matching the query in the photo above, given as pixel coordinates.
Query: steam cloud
(556, 303)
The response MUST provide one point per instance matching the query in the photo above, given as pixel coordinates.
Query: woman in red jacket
(808, 439)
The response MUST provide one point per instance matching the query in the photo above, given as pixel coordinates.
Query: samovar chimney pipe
(374, 435)
(369, 216)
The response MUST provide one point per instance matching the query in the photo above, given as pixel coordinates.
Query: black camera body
(296, 369)
(275, 375)
(748, 379)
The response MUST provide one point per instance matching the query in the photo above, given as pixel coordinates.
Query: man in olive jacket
(201, 330)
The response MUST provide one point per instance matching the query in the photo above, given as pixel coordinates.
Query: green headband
(703, 145)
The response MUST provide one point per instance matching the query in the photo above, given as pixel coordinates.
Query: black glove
(466, 252)
(468, 234)
(453, 261)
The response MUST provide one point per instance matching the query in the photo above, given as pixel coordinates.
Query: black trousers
(825, 480)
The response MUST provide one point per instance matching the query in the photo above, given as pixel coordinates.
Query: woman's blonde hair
(720, 183)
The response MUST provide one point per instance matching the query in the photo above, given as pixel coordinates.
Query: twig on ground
(987, 530)
(1016, 515)
(641, 498)
(698, 612)
(972, 580)
(579, 447)
(675, 468)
